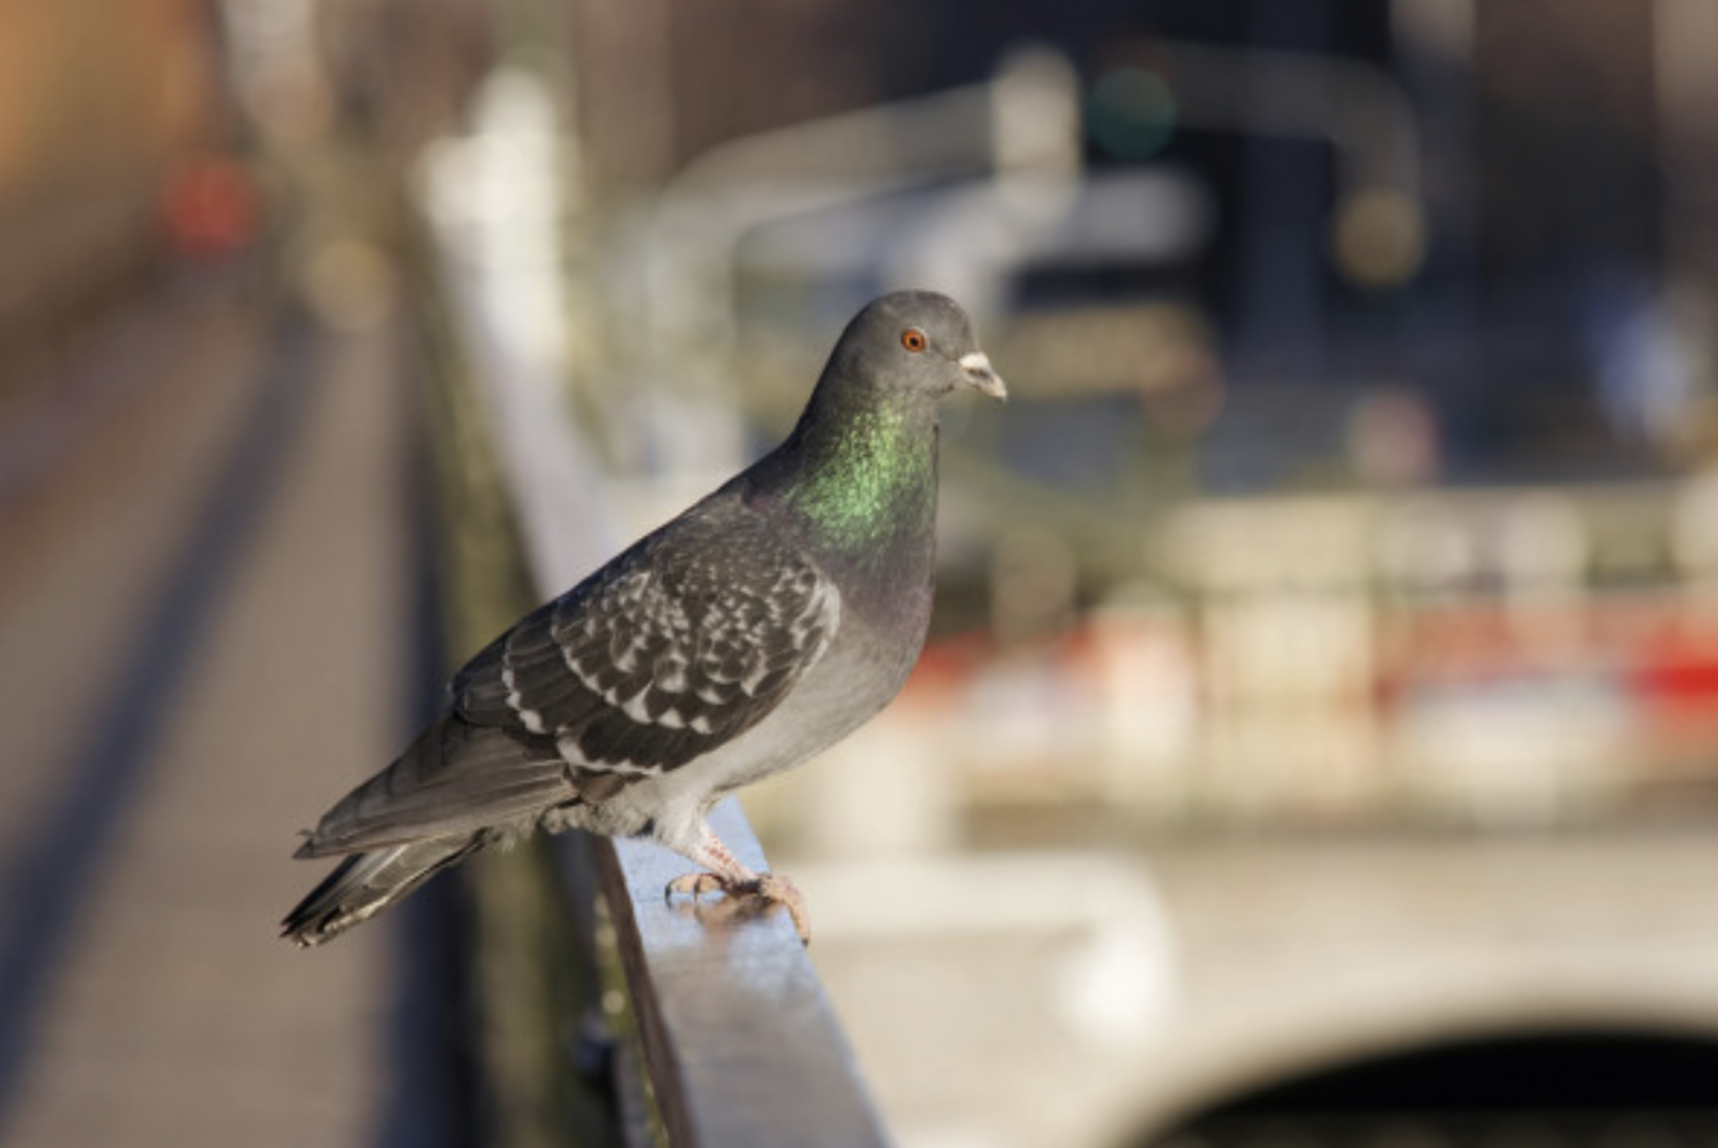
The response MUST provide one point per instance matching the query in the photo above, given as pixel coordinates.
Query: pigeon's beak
(982, 377)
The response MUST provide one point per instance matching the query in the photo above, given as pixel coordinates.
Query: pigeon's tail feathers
(455, 779)
(366, 883)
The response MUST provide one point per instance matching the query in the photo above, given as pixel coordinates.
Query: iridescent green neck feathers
(871, 477)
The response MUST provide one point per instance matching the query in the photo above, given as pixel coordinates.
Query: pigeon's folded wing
(454, 779)
(682, 643)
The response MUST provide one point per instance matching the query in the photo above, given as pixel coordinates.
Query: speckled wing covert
(682, 643)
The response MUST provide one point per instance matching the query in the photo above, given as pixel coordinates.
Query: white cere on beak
(979, 373)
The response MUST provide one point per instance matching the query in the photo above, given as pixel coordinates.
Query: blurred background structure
(1318, 740)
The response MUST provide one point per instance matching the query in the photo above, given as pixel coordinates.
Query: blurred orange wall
(91, 90)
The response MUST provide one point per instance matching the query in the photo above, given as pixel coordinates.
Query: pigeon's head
(918, 342)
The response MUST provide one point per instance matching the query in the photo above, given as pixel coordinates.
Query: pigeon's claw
(781, 891)
(769, 888)
(695, 885)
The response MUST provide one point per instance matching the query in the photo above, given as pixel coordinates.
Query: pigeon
(765, 623)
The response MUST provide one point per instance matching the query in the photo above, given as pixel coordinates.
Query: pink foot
(762, 886)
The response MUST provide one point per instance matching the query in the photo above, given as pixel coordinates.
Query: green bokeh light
(1131, 113)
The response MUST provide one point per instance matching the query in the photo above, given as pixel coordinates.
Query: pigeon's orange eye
(914, 340)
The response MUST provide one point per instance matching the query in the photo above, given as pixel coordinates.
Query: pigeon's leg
(724, 870)
(724, 873)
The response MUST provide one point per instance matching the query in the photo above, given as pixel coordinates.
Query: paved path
(206, 555)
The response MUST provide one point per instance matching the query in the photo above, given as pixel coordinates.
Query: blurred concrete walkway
(205, 602)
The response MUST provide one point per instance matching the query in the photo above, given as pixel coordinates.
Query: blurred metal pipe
(1023, 121)
(1358, 108)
